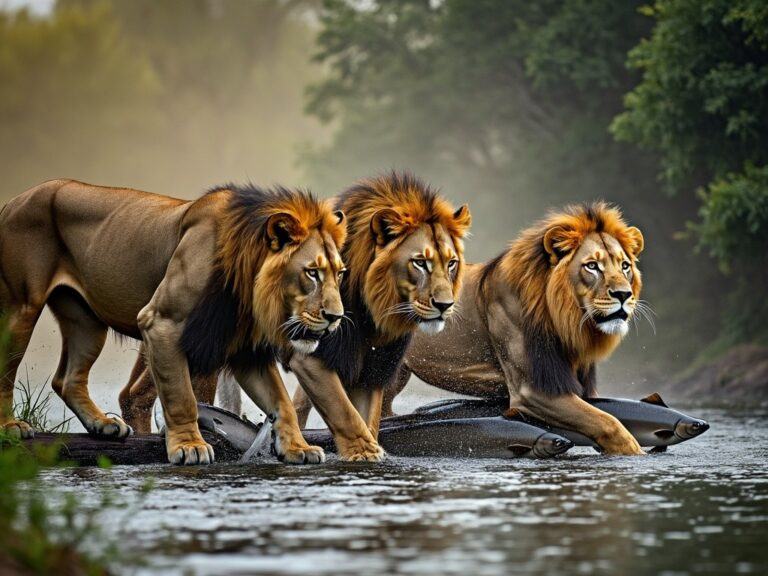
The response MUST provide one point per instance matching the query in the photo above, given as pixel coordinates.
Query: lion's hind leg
(21, 323)
(138, 396)
(303, 406)
(83, 337)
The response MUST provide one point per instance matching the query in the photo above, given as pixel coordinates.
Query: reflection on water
(702, 508)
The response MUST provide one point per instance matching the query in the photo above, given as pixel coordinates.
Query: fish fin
(664, 434)
(512, 413)
(519, 449)
(654, 398)
(657, 450)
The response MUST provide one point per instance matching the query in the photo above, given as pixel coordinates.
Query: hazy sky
(35, 5)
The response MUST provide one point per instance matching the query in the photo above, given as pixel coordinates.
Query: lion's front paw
(109, 427)
(191, 453)
(19, 429)
(186, 447)
(290, 447)
(301, 454)
(361, 450)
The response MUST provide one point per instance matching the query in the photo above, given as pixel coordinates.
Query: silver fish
(241, 434)
(469, 438)
(649, 420)
(494, 437)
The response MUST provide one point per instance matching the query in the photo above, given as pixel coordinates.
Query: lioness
(536, 319)
(405, 258)
(224, 280)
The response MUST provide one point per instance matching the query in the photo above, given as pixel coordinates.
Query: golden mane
(411, 203)
(541, 279)
(258, 231)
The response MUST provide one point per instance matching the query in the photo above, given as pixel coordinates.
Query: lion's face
(606, 283)
(422, 273)
(312, 301)
(296, 292)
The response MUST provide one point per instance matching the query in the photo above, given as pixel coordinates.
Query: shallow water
(701, 508)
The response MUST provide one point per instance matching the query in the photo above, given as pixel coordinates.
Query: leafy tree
(703, 105)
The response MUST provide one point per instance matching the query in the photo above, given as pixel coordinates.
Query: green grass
(34, 407)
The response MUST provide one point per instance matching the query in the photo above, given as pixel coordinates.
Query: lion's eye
(591, 266)
(452, 265)
(625, 265)
(341, 275)
(312, 274)
(419, 263)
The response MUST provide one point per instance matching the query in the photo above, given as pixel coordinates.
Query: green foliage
(703, 105)
(66, 81)
(40, 534)
(476, 87)
(734, 218)
(703, 99)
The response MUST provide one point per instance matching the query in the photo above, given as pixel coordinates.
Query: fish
(650, 420)
(250, 439)
(493, 437)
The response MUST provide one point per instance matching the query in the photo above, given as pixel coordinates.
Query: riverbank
(738, 376)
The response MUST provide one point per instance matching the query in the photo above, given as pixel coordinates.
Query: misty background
(515, 107)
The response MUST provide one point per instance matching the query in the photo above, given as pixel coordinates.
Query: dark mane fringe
(550, 363)
(211, 327)
(488, 269)
(355, 353)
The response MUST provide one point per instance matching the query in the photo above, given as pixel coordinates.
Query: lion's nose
(620, 295)
(441, 306)
(331, 317)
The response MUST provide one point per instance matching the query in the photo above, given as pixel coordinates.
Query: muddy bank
(741, 375)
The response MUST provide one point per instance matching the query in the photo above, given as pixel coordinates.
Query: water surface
(701, 508)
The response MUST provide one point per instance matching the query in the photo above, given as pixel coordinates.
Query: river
(701, 508)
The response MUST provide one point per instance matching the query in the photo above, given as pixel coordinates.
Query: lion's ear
(558, 241)
(386, 224)
(463, 220)
(283, 228)
(637, 240)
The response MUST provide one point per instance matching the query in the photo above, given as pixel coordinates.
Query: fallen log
(85, 450)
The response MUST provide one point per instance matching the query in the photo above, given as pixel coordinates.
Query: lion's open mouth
(620, 314)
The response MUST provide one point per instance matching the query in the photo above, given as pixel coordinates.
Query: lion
(537, 318)
(226, 280)
(406, 259)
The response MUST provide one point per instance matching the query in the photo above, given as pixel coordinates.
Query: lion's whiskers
(589, 313)
(645, 311)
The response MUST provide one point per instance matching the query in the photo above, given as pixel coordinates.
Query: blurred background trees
(511, 105)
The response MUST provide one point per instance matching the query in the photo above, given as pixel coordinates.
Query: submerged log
(85, 450)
